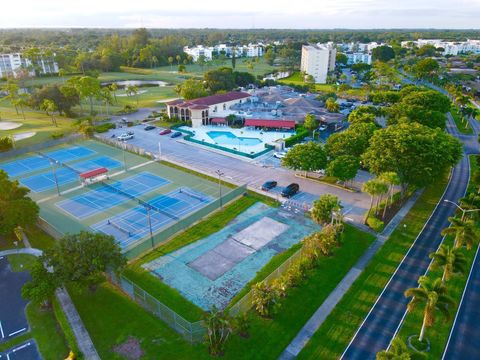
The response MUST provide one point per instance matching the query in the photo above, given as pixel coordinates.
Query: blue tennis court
(70, 154)
(46, 181)
(103, 197)
(132, 225)
(26, 165)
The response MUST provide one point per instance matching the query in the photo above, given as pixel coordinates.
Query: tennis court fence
(38, 147)
(124, 146)
(142, 246)
(245, 303)
(193, 332)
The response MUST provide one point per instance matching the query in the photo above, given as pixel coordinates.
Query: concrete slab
(260, 233)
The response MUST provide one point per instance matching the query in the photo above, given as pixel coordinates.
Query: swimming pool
(228, 138)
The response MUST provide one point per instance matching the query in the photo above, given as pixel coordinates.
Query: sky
(297, 14)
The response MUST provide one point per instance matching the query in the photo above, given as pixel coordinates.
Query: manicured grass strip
(15, 341)
(111, 317)
(46, 332)
(38, 238)
(438, 334)
(270, 337)
(463, 125)
(332, 338)
(71, 341)
(163, 292)
(21, 262)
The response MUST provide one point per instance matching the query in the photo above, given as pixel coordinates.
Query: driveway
(243, 171)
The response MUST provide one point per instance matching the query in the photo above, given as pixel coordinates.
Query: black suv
(290, 190)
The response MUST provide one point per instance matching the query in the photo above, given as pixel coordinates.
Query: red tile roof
(92, 173)
(288, 124)
(218, 120)
(197, 107)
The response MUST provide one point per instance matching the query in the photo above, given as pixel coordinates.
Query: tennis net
(119, 228)
(191, 194)
(58, 162)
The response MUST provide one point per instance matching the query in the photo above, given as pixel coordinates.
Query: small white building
(318, 60)
(11, 64)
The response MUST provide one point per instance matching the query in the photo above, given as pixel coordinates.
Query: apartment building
(449, 47)
(250, 50)
(356, 58)
(10, 65)
(318, 60)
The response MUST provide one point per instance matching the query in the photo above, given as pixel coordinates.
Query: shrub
(375, 224)
(101, 128)
(264, 299)
(242, 325)
(280, 285)
(298, 137)
(57, 135)
(6, 143)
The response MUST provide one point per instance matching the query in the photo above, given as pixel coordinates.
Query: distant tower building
(318, 60)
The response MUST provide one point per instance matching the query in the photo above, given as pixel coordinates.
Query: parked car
(279, 155)
(130, 132)
(149, 127)
(165, 132)
(290, 190)
(176, 134)
(125, 137)
(323, 127)
(125, 120)
(269, 185)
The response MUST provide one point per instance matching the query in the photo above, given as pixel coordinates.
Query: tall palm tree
(464, 231)
(398, 350)
(432, 294)
(451, 259)
(391, 178)
(373, 187)
(113, 89)
(219, 329)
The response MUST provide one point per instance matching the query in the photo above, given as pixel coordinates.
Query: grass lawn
(148, 96)
(36, 122)
(462, 125)
(21, 262)
(336, 332)
(438, 334)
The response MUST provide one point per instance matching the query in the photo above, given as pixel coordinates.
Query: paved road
(252, 172)
(13, 321)
(24, 351)
(386, 316)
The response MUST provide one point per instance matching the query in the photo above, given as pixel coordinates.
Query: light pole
(464, 211)
(220, 174)
(159, 150)
(149, 224)
(55, 177)
(124, 146)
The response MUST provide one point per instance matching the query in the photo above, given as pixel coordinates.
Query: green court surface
(124, 205)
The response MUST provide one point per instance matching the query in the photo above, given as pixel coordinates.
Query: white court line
(21, 347)
(1, 329)
(16, 332)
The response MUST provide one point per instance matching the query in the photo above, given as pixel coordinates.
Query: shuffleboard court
(46, 181)
(103, 198)
(25, 166)
(132, 225)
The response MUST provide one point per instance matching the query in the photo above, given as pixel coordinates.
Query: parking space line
(22, 347)
(16, 332)
(1, 330)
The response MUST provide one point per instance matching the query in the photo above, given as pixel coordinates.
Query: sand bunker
(24, 135)
(9, 125)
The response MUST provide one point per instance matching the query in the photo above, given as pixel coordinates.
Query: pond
(138, 83)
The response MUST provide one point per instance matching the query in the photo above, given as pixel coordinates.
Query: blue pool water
(228, 138)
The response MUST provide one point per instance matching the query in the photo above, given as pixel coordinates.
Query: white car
(323, 127)
(125, 137)
(279, 155)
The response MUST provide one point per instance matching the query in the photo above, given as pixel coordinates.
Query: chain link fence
(245, 303)
(193, 332)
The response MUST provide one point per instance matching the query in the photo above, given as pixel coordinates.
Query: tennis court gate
(193, 332)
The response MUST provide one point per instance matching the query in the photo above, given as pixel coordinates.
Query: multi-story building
(11, 64)
(198, 51)
(250, 50)
(356, 58)
(318, 60)
(449, 47)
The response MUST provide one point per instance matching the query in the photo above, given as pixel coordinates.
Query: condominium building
(449, 47)
(318, 60)
(11, 64)
(250, 50)
(357, 58)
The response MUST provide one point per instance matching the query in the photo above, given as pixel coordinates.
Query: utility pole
(220, 174)
(55, 177)
(150, 224)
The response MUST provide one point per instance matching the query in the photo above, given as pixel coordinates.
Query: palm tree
(398, 350)
(219, 329)
(373, 187)
(170, 61)
(464, 231)
(451, 259)
(433, 295)
(113, 89)
(50, 107)
(391, 178)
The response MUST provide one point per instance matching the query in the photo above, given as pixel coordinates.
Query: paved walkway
(84, 341)
(317, 319)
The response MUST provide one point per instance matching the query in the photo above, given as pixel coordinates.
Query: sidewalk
(312, 325)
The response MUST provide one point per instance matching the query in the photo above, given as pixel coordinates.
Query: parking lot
(24, 351)
(13, 321)
(252, 172)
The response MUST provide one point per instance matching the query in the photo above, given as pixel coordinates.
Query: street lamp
(55, 176)
(149, 224)
(220, 174)
(124, 148)
(464, 211)
(159, 150)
